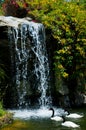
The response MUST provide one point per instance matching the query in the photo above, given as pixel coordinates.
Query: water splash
(43, 112)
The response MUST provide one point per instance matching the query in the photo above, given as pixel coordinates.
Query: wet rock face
(5, 61)
(80, 99)
(3, 32)
(4, 49)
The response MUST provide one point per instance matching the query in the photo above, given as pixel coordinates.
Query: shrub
(11, 8)
(2, 111)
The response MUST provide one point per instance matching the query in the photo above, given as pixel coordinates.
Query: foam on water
(35, 113)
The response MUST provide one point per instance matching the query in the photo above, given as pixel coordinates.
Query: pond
(40, 120)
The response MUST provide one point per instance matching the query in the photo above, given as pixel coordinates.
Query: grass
(2, 111)
(5, 117)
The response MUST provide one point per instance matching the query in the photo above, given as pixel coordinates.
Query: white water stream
(30, 48)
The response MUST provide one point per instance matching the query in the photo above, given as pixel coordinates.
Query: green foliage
(2, 111)
(1, 10)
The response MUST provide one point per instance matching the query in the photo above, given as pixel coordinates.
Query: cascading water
(28, 53)
(41, 65)
(20, 58)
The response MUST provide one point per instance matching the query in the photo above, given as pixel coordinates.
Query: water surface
(40, 120)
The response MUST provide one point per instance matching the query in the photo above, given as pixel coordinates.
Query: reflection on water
(44, 123)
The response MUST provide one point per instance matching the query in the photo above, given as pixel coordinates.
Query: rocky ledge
(13, 21)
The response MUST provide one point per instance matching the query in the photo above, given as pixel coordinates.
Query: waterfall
(30, 63)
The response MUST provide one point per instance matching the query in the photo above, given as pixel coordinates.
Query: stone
(13, 21)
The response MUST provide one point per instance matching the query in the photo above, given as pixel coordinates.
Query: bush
(11, 8)
(2, 111)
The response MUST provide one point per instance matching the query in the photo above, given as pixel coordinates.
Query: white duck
(69, 123)
(73, 115)
(56, 118)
